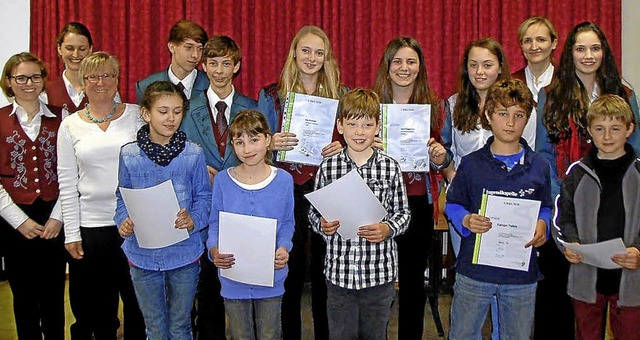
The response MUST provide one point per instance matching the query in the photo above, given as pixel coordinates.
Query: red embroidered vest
(28, 169)
(58, 96)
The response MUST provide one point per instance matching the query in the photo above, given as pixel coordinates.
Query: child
(255, 188)
(506, 164)
(360, 273)
(598, 202)
(165, 279)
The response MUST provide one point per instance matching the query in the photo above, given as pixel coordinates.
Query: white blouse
(88, 160)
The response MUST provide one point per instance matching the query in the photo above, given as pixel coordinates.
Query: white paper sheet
(252, 241)
(599, 254)
(312, 119)
(154, 211)
(513, 224)
(350, 201)
(405, 133)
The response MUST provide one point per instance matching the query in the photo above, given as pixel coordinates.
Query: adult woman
(312, 69)
(538, 38)
(31, 218)
(402, 79)
(88, 147)
(73, 43)
(586, 71)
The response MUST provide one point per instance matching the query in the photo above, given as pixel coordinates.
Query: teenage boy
(599, 202)
(210, 114)
(360, 272)
(505, 166)
(212, 111)
(186, 39)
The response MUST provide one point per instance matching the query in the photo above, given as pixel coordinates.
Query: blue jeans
(359, 314)
(471, 301)
(166, 298)
(254, 318)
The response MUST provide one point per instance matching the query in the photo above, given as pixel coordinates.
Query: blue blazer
(200, 85)
(197, 125)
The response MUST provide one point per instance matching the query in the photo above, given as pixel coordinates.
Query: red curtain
(136, 31)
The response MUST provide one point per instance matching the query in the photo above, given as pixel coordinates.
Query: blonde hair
(610, 106)
(537, 20)
(96, 60)
(328, 84)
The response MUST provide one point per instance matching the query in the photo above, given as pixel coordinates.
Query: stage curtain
(137, 31)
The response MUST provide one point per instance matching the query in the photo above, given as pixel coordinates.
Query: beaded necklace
(101, 120)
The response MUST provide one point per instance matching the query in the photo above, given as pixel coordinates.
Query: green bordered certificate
(405, 133)
(312, 119)
(514, 223)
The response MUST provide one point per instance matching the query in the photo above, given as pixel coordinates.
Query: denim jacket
(188, 173)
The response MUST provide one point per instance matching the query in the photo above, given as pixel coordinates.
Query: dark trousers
(413, 253)
(210, 317)
(95, 283)
(36, 274)
(553, 304)
(293, 285)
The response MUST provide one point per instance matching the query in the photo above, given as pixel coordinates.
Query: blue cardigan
(273, 201)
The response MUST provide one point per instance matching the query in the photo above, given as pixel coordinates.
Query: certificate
(513, 224)
(406, 129)
(252, 241)
(312, 119)
(154, 211)
(599, 254)
(350, 201)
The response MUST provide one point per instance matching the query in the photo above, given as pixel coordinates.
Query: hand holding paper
(375, 232)
(222, 261)
(477, 223)
(329, 228)
(599, 254)
(629, 260)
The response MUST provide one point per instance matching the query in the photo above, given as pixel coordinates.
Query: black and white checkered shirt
(358, 263)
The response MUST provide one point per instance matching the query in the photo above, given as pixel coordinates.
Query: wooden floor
(8, 332)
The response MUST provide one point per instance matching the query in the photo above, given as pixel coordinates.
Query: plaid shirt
(358, 263)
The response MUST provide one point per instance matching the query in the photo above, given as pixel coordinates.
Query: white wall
(15, 19)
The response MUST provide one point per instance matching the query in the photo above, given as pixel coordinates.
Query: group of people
(71, 144)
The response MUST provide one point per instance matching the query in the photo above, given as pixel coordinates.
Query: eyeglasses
(94, 78)
(22, 79)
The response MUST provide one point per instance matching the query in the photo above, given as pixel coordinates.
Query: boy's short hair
(611, 106)
(359, 103)
(222, 46)
(507, 93)
(187, 29)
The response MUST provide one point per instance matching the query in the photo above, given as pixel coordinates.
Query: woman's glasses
(22, 79)
(94, 78)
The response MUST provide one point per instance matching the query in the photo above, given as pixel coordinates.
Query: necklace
(101, 120)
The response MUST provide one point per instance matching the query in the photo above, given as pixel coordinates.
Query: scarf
(160, 154)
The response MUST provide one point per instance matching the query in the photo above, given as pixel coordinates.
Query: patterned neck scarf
(160, 154)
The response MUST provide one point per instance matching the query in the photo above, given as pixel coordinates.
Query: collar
(214, 98)
(525, 159)
(344, 157)
(70, 89)
(22, 114)
(544, 79)
(187, 82)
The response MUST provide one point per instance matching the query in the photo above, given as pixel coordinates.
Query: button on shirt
(358, 263)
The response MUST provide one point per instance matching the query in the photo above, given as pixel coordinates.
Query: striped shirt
(358, 263)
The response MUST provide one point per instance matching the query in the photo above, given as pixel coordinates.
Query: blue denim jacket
(188, 173)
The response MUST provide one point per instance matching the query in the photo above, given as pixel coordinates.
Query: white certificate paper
(154, 211)
(599, 254)
(252, 241)
(405, 133)
(350, 201)
(513, 223)
(312, 119)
